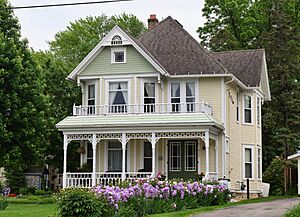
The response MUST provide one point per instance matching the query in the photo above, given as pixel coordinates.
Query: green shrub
(80, 203)
(39, 192)
(3, 204)
(295, 212)
(23, 191)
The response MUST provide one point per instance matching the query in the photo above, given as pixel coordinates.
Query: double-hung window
(247, 109)
(114, 156)
(259, 163)
(248, 162)
(147, 156)
(175, 97)
(91, 99)
(190, 96)
(118, 97)
(149, 97)
(183, 96)
(258, 111)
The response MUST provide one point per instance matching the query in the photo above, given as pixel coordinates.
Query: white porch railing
(84, 180)
(157, 108)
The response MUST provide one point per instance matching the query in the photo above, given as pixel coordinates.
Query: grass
(294, 212)
(28, 210)
(187, 213)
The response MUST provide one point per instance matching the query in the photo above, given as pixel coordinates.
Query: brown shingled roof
(177, 51)
(246, 65)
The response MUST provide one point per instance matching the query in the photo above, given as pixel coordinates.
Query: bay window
(175, 97)
(183, 96)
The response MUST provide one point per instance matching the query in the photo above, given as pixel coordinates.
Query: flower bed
(140, 198)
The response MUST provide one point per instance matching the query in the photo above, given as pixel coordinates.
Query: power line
(62, 5)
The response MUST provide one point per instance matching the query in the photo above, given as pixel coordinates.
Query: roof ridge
(237, 51)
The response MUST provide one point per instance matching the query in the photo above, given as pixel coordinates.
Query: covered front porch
(115, 157)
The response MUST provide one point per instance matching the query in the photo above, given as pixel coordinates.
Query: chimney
(152, 21)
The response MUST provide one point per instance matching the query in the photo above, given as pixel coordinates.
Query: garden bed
(141, 197)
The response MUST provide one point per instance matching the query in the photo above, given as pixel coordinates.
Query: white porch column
(65, 161)
(207, 154)
(153, 144)
(298, 176)
(217, 156)
(94, 145)
(124, 141)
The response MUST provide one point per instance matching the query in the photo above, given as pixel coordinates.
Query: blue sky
(40, 25)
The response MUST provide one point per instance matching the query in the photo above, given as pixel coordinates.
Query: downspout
(224, 102)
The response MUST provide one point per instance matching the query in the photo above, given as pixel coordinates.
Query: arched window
(116, 40)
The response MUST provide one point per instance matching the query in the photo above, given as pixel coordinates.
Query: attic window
(116, 40)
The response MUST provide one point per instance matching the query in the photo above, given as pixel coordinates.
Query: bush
(23, 191)
(16, 179)
(80, 203)
(3, 204)
(39, 192)
(295, 212)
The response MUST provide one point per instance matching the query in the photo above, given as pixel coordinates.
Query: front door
(182, 159)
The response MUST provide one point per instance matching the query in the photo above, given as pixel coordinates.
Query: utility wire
(62, 5)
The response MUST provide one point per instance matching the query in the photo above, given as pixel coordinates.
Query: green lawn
(28, 210)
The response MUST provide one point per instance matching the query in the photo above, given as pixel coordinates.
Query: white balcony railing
(157, 108)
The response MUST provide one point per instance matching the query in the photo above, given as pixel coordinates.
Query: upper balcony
(157, 108)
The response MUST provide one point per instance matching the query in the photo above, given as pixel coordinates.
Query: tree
(275, 26)
(74, 43)
(23, 125)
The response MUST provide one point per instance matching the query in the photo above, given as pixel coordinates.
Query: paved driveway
(266, 209)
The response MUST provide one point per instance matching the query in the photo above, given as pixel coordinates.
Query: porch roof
(138, 120)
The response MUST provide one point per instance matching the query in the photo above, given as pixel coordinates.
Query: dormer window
(118, 55)
(116, 40)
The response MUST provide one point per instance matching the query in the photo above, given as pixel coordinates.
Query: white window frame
(107, 154)
(180, 156)
(87, 83)
(259, 163)
(251, 103)
(129, 109)
(258, 111)
(183, 92)
(186, 144)
(251, 147)
(238, 115)
(142, 83)
(227, 145)
(117, 49)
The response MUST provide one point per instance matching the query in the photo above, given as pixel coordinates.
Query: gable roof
(177, 51)
(246, 65)
(105, 42)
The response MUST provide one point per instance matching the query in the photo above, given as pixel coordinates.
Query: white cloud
(39, 25)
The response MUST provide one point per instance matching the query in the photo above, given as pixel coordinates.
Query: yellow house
(161, 103)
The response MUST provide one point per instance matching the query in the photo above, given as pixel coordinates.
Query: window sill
(248, 124)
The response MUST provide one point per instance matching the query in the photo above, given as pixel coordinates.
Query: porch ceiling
(138, 120)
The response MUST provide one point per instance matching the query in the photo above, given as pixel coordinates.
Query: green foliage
(31, 199)
(3, 204)
(74, 43)
(15, 179)
(79, 202)
(295, 212)
(275, 26)
(274, 175)
(40, 192)
(23, 124)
